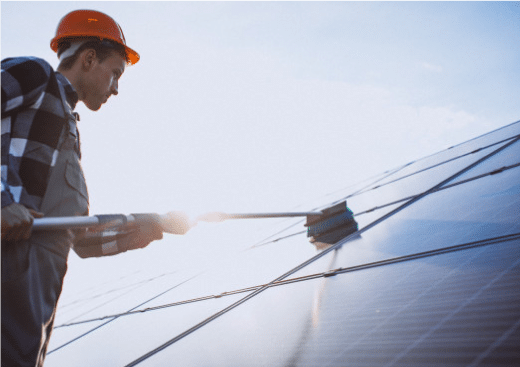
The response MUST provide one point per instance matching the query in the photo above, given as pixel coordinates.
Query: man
(42, 175)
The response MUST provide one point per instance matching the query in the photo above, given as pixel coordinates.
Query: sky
(265, 106)
(255, 106)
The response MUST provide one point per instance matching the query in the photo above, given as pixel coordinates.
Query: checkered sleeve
(24, 81)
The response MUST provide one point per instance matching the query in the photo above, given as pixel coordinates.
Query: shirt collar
(70, 92)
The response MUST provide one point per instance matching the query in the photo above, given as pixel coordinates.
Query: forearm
(88, 251)
(100, 244)
(95, 251)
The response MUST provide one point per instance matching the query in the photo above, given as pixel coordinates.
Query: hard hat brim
(131, 55)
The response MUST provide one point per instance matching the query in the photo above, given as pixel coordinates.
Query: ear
(88, 59)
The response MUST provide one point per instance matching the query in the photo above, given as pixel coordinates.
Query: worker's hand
(177, 223)
(139, 234)
(17, 222)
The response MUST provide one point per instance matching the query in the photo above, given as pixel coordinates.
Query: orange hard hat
(91, 23)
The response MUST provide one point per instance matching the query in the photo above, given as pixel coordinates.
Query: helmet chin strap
(71, 50)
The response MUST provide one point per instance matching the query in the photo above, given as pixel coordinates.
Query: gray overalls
(33, 270)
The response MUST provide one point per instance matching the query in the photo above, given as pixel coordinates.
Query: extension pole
(269, 215)
(165, 220)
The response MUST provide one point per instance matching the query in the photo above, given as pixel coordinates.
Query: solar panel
(428, 280)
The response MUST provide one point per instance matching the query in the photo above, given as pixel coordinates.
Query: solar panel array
(432, 278)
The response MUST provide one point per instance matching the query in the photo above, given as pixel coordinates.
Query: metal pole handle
(55, 223)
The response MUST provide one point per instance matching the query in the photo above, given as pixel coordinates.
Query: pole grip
(48, 224)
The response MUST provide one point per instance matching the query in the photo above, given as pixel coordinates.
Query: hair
(103, 47)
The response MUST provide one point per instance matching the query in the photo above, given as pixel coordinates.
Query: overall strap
(72, 118)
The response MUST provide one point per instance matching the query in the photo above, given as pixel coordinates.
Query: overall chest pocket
(76, 181)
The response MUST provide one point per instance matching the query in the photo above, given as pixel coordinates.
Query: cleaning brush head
(335, 223)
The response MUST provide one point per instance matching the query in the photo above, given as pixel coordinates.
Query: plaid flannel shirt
(33, 116)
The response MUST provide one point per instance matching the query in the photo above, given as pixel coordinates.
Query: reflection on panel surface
(440, 310)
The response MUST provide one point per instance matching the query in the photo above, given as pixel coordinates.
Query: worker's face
(101, 80)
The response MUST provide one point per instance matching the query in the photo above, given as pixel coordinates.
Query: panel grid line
(430, 167)
(490, 173)
(325, 274)
(114, 318)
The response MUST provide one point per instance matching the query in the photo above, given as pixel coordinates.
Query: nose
(115, 86)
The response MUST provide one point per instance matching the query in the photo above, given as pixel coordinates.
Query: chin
(93, 106)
